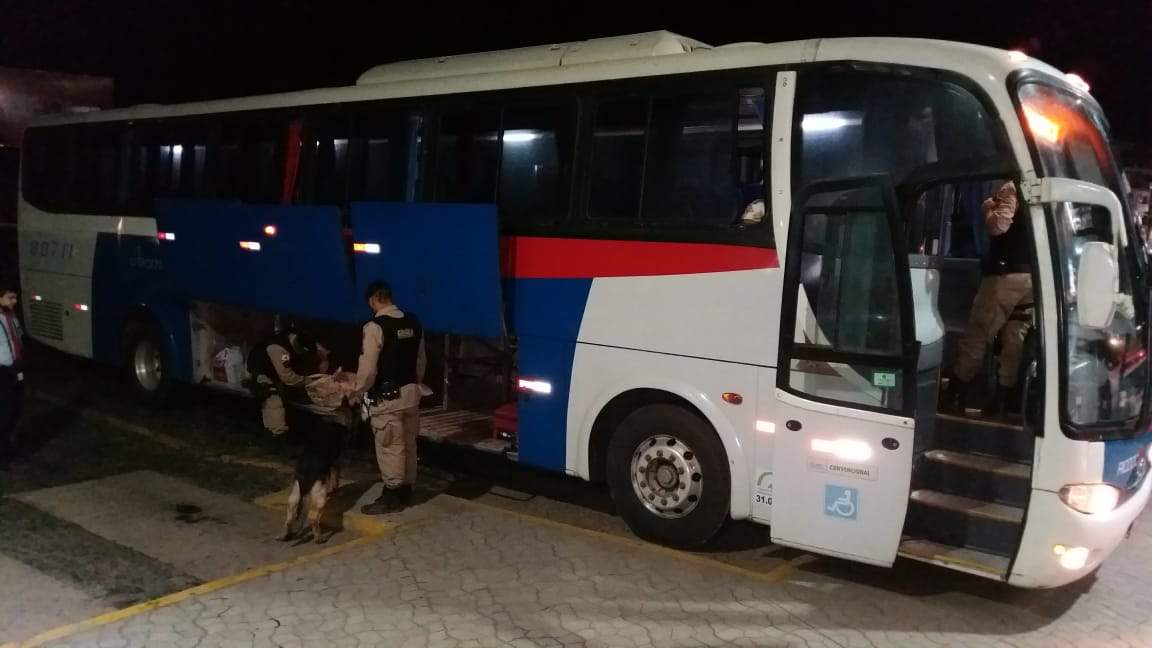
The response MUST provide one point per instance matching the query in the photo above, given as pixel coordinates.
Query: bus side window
(384, 155)
(179, 154)
(686, 164)
(225, 172)
(107, 167)
(536, 164)
(689, 137)
(247, 162)
(324, 178)
(137, 168)
(467, 155)
(39, 154)
(264, 159)
(855, 124)
(618, 160)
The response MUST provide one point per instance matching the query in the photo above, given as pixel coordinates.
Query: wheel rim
(147, 365)
(666, 476)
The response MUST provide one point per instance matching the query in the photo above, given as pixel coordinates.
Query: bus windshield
(1104, 371)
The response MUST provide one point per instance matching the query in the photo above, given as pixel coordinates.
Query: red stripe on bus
(292, 143)
(527, 257)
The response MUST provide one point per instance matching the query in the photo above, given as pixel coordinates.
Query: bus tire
(146, 363)
(668, 474)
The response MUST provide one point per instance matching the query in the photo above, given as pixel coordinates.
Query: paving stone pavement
(43, 601)
(472, 577)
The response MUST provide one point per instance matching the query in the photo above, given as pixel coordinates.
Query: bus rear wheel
(146, 364)
(668, 474)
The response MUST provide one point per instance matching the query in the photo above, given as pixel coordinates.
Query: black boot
(390, 501)
(954, 397)
(404, 496)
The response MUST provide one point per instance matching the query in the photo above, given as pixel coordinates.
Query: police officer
(1002, 307)
(272, 366)
(388, 379)
(11, 370)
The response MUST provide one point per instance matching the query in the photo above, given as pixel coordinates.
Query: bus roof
(619, 57)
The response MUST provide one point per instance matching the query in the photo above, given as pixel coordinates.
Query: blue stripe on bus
(1124, 463)
(302, 269)
(548, 321)
(129, 279)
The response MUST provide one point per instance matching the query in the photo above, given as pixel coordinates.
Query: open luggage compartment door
(270, 258)
(442, 261)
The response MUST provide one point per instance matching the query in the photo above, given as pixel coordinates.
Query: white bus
(728, 281)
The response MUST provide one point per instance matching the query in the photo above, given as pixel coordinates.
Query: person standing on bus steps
(11, 370)
(388, 380)
(1002, 306)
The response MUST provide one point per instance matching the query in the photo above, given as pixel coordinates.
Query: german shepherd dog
(317, 473)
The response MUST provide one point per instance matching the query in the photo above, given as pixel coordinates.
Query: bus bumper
(1052, 530)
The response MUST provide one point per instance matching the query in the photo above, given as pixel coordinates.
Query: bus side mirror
(1097, 285)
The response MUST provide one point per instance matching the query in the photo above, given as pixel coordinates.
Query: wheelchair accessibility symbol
(841, 502)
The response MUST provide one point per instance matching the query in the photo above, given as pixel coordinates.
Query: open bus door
(846, 378)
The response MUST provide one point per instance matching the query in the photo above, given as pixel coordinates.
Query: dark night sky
(160, 51)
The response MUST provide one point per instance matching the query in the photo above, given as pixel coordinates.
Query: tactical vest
(396, 365)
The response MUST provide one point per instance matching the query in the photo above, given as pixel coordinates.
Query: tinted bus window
(49, 165)
(854, 123)
(467, 155)
(325, 179)
(618, 159)
(226, 175)
(691, 163)
(688, 176)
(264, 159)
(384, 154)
(535, 164)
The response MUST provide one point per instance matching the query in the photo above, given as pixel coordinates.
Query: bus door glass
(846, 376)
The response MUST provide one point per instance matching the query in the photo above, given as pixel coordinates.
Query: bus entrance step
(961, 558)
(984, 436)
(977, 476)
(965, 522)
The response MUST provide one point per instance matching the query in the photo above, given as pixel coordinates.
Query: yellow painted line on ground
(184, 595)
(774, 575)
(371, 528)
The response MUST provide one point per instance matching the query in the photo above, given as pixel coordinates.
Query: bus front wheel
(668, 474)
(147, 364)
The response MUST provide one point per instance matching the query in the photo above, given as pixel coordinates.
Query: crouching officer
(273, 375)
(388, 380)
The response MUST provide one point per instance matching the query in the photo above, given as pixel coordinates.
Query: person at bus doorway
(388, 381)
(1002, 307)
(271, 366)
(11, 371)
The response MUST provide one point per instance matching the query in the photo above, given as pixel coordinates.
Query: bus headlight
(1091, 498)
